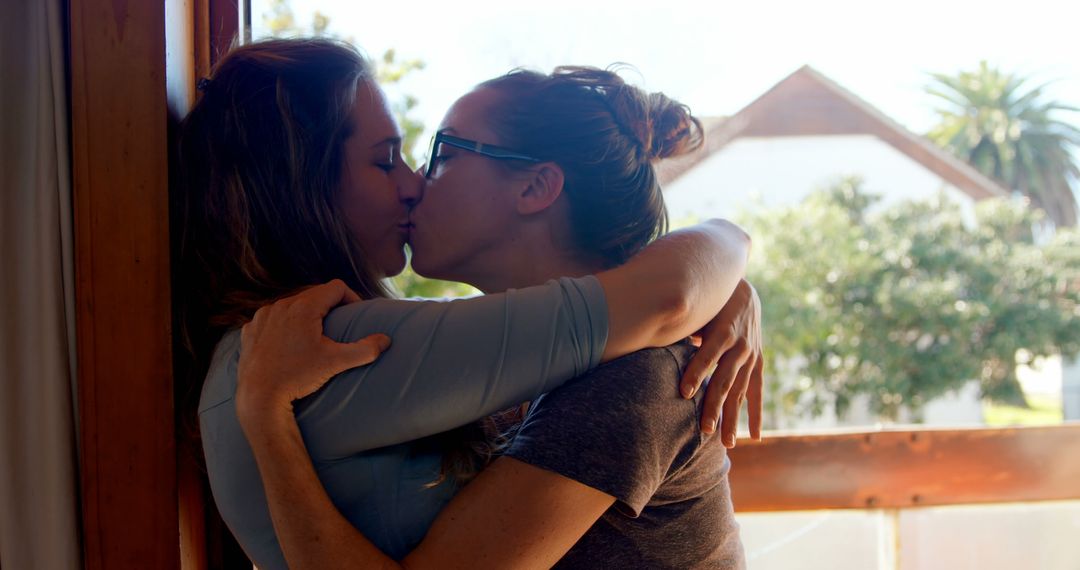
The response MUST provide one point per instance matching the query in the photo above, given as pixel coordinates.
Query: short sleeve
(621, 429)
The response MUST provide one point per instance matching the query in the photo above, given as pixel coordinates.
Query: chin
(393, 263)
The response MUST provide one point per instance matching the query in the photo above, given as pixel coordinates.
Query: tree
(906, 304)
(1010, 133)
(280, 21)
(389, 73)
(412, 285)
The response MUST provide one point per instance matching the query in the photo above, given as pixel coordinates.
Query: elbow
(738, 234)
(701, 283)
(747, 241)
(744, 258)
(736, 249)
(675, 313)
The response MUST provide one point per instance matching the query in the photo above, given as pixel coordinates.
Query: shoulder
(356, 320)
(641, 387)
(621, 428)
(639, 371)
(666, 357)
(347, 320)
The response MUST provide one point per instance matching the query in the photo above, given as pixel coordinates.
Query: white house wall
(781, 171)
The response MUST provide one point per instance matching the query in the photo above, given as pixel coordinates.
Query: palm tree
(1010, 134)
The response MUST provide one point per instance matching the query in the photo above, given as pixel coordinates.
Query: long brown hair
(254, 204)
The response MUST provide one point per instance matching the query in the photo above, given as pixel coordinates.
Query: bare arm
(674, 287)
(513, 515)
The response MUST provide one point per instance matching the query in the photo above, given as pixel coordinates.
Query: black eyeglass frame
(488, 150)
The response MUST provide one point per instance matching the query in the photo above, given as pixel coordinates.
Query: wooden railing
(907, 468)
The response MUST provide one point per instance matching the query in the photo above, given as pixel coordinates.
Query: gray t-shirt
(450, 363)
(624, 429)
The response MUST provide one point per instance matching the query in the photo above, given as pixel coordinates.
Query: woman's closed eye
(391, 160)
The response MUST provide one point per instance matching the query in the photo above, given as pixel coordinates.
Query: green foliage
(906, 304)
(1009, 133)
(409, 284)
(1042, 410)
(281, 22)
(391, 72)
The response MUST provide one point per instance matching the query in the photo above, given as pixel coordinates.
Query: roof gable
(806, 103)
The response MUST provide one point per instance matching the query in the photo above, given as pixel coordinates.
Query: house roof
(806, 103)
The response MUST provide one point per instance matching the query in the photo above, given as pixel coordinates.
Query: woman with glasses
(293, 178)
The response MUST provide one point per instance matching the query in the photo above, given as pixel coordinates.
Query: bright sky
(717, 56)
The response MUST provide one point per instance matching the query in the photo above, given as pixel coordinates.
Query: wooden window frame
(130, 65)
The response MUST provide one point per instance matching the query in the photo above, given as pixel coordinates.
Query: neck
(532, 272)
(527, 261)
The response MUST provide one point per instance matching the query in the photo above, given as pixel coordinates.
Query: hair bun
(659, 126)
(673, 130)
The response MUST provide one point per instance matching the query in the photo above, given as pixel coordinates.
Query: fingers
(250, 330)
(703, 360)
(350, 296)
(753, 397)
(364, 351)
(259, 317)
(719, 387)
(733, 405)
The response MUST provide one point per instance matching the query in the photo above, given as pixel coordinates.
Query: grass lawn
(1044, 410)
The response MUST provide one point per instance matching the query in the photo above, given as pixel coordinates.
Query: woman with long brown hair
(294, 177)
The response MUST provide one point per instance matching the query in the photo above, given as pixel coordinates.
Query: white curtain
(38, 478)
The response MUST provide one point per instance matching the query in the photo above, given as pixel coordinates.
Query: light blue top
(450, 363)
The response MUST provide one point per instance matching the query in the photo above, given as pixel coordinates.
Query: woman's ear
(545, 186)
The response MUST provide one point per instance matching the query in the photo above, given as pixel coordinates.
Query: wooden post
(120, 175)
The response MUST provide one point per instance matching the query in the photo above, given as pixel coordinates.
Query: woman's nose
(411, 188)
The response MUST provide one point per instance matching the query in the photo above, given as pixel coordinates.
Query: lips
(406, 230)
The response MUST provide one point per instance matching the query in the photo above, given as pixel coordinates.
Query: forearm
(674, 286)
(512, 516)
(311, 531)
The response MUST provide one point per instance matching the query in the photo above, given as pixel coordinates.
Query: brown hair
(254, 202)
(606, 136)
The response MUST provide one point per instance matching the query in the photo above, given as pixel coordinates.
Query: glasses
(488, 150)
